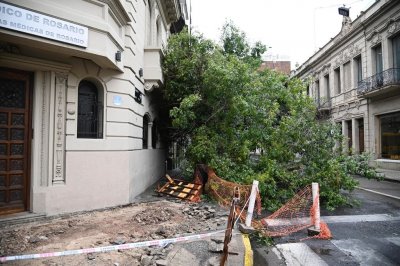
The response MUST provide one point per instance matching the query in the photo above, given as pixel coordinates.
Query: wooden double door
(15, 140)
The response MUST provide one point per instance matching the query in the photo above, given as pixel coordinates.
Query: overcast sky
(294, 29)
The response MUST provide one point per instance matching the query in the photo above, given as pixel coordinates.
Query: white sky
(294, 29)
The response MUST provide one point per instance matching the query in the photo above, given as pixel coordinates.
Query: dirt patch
(134, 223)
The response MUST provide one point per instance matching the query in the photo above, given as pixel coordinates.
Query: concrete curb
(248, 252)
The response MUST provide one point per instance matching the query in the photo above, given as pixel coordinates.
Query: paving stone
(161, 262)
(145, 260)
(90, 256)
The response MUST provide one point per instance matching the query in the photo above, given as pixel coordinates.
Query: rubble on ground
(135, 223)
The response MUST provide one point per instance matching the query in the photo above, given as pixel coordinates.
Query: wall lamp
(141, 72)
(118, 56)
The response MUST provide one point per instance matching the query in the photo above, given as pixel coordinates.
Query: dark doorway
(15, 140)
(361, 147)
(350, 135)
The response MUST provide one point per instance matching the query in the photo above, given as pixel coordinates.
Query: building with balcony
(79, 101)
(355, 81)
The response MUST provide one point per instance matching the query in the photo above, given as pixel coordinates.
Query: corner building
(79, 90)
(355, 81)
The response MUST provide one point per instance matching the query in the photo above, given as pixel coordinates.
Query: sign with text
(23, 20)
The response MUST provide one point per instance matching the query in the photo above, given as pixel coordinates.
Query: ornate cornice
(393, 26)
(348, 53)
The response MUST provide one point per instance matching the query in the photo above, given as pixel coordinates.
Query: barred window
(90, 111)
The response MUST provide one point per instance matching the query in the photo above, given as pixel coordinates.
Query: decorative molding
(149, 86)
(374, 38)
(44, 141)
(31, 63)
(59, 129)
(346, 55)
(323, 70)
(71, 111)
(347, 26)
(392, 25)
(338, 60)
(354, 50)
(346, 116)
(393, 28)
(357, 104)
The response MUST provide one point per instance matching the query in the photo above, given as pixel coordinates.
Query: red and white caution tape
(160, 242)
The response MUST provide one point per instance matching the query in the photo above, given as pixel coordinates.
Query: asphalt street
(367, 233)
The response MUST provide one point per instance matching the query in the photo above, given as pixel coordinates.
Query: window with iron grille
(90, 111)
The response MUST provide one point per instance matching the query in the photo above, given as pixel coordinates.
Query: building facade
(355, 81)
(79, 86)
(282, 67)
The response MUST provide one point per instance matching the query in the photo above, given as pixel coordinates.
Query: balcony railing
(385, 78)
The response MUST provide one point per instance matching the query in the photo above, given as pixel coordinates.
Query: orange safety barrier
(297, 214)
(222, 190)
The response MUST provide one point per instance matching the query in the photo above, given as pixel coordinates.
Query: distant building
(79, 101)
(279, 66)
(355, 81)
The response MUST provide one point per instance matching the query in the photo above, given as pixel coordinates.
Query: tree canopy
(249, 124)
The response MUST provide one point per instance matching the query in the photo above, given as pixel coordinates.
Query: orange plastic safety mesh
(297, 214)
(291, 217)
(222, 191)
(324, 232)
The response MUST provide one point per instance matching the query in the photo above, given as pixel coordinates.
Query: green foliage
(184, 116)
(250, 125)
(358, 164)
(261, 239)
(234, 42)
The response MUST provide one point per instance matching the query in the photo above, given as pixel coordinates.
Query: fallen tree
(249, 124)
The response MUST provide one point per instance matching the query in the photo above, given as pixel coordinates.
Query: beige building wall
(343, 101)
(68, 173)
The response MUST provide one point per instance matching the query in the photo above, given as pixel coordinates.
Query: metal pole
(252, 200)
(315, 195)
